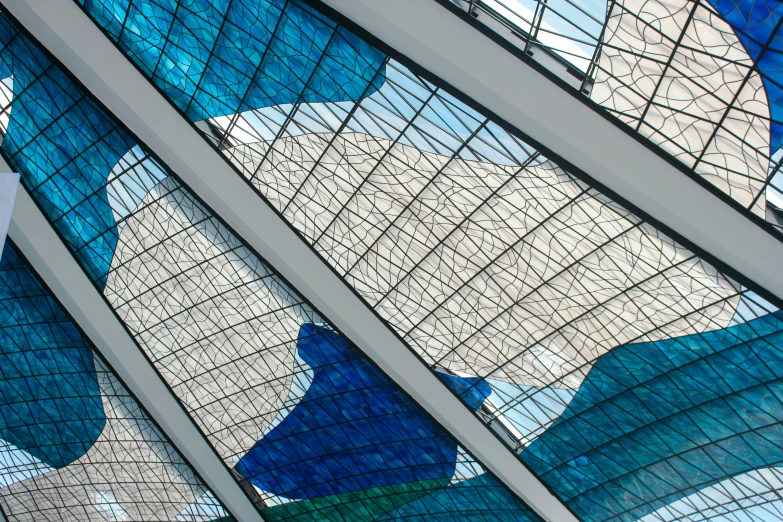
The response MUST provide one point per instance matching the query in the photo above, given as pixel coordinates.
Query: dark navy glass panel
(352, 430)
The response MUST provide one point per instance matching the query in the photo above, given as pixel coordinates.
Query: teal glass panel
(50, 402)
(219, 58)
(64, 149)
(74, 444)
(477, 499)
(655, 422)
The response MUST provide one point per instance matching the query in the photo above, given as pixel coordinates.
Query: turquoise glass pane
(219, 58)
(654, 422)
(50, 403)
(64, 147)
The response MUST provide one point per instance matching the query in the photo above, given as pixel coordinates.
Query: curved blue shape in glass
(480, 499)
(54, 128)
(219, 58)
(353, 430)
(654, 422)
(50, 401)
(755, 22)
(472, 390)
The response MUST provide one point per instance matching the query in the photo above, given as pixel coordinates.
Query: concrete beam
(8, 183)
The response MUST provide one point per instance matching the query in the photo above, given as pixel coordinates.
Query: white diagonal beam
(442, 43)
(76, 41)
(8, 183)
(39, 243)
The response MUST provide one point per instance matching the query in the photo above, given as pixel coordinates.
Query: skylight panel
(693, 78)
(74, 443)
(493, 263)
(309, 426)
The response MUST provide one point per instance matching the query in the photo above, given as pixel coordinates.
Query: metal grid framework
(75, 444)
(310, 427)
(489, 260)
(699, 79)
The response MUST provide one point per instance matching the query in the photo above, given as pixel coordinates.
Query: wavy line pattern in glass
(699, 79)
(74, 444)
(491, 261)
(310, 427)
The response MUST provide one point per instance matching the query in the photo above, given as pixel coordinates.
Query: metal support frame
(442, 43)
(75, 40)
(39, 243)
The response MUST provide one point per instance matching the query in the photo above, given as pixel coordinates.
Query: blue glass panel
(353, 430)
(219, 58)
(473, 390)
(665, 419)
(64, 147)
(479, 499)
(756, 24)
(753, 21)
(47, 373)
(236, 370)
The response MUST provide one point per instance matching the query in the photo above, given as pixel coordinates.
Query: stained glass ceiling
(636, 377)
(309, 426)
(486, 257)
(698, 79)
(75, 444)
